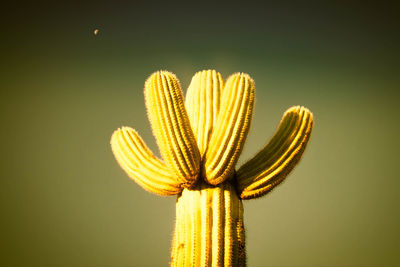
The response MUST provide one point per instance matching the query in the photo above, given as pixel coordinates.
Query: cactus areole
(200, 140)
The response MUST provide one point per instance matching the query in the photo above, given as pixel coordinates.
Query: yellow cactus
(200, 141)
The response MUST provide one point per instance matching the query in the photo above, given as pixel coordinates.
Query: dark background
(65, 202)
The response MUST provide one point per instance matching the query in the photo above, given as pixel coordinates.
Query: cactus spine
(200, 141)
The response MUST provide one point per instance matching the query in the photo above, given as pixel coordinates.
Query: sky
(64, 90)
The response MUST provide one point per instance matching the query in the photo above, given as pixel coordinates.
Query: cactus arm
(275, 161)
(139, 163)
(202, 104)
(231, 128)
(171, 126)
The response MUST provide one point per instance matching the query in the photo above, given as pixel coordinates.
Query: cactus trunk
(209, 227)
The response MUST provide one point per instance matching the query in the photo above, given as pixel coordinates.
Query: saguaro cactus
(200, 141)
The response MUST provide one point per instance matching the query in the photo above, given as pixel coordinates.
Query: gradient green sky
(65, 202)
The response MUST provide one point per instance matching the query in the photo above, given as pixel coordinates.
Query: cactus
(200, 140)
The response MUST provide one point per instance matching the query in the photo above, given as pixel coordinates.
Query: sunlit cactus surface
(200, 138)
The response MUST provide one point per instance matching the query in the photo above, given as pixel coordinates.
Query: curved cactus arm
(139, 163)
(231, 128)
(171, 126)
(275, 161)
(202, 104)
